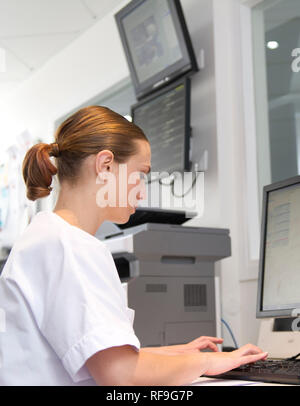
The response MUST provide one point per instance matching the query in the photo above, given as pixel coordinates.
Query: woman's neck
(79, 209)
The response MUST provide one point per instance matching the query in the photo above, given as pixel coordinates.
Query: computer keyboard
(275, 371)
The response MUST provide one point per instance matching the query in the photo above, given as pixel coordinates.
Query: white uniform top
(63, 302)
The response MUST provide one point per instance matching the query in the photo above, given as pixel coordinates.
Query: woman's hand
(200, 343)
(221, 362)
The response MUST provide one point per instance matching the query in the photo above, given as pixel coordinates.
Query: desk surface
(205, 381)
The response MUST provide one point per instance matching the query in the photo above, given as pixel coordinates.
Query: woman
(67, 321)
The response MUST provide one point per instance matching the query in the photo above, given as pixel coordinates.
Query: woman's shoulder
(49, 245)
(47, 229)
(42, 234)
(49, 239)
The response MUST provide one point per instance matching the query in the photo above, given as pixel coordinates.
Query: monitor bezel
(260, 313)
(183, 67)
(186, 82)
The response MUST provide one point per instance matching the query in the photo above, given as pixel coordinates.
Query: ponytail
(38, 170)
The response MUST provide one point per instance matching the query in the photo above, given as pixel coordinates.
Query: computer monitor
(165, 119)
(156, 42)
(279, 267)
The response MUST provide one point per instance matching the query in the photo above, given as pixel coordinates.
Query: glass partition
(276, 39)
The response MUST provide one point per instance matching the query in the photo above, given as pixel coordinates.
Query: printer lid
(144, 215)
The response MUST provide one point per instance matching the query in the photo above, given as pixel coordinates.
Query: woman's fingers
(202, 344)
(213, 339)
(249, 349)
(211, 345)
(246, 359)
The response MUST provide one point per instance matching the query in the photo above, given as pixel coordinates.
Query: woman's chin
(124, 217)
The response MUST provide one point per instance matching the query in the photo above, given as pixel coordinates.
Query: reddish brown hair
(86, 132)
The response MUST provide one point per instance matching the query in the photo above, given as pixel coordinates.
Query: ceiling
(33, 31)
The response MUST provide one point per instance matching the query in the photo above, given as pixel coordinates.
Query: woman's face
(125, 185)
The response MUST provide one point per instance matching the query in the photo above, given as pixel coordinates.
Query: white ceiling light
(272, 45)
(2, 60)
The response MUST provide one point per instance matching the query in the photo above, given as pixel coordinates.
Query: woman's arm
(125, 366)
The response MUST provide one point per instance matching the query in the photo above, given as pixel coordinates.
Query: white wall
(88, 67)
(237, 172)
(228, 126)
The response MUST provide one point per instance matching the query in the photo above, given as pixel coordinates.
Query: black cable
(165, 184)
(173, 188)
(294, 357)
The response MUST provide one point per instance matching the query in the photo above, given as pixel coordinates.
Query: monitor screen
(165, 119)
(279, 282)
(156, 43)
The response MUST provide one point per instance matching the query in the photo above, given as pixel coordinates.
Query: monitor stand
(276, 336)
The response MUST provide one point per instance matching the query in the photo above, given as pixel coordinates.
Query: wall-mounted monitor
(156, 42)
(165, 119)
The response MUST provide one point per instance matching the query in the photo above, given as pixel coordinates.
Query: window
(276, 45)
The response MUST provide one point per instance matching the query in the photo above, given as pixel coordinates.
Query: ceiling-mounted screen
(156, 42)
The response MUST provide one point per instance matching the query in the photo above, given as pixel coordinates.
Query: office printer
(168, 269)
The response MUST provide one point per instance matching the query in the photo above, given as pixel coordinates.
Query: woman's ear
(104, 160)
